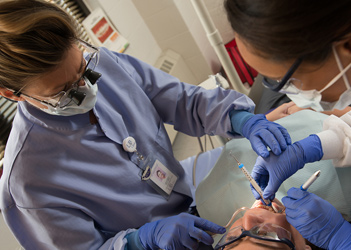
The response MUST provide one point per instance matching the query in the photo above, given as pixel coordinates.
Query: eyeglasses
(63, 98)
(264, 232)
(277, 85)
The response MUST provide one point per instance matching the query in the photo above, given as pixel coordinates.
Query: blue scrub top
(68, 184)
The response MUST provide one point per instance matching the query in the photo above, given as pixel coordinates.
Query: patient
(259, 227)
(226, 189)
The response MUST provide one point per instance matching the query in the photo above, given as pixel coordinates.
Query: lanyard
(129, 145)
(154, 172)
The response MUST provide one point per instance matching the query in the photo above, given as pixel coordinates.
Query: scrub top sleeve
(192, 110)
(68, 229)
(336, 140)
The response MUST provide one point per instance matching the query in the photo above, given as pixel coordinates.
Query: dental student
(302, 48)
(80, 167)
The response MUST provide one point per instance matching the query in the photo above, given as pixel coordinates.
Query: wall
(216, 10)
(171, 31)
(131, 25)
(154, 26)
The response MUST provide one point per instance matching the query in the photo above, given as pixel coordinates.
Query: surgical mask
(313, 98)
(72, 108)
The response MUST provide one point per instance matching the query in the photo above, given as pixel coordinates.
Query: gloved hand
(270, 172)
(317, 220)
(183, 231)
(260, 132)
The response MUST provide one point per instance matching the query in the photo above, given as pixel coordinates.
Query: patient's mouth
(259, 204)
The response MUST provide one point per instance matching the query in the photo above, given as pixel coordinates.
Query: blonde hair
(34, 37)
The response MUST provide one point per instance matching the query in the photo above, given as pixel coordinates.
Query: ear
(344, 47)
(347, 45)
(10, 95)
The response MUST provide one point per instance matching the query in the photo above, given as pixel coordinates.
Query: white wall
(216, 10)
(131, 25)
(153, 26)
(171, 32)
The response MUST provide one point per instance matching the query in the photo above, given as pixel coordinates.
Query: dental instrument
(253, 183)
(310, 180)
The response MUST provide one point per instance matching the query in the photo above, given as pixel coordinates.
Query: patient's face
(259, 214)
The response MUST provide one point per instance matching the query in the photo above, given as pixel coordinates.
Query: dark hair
(34, 37)
(285, 30)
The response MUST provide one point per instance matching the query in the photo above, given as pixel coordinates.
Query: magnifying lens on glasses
(77, 96)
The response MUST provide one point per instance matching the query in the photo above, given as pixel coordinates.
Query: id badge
(159, 177)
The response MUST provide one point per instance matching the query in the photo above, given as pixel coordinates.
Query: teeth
(259, 204)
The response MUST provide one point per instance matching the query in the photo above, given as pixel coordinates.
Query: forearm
(337, 112)
(64, 229)
(207, 111)
(238, 119)
(133, 241)
(192, 109)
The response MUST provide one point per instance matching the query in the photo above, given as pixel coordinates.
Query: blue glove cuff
(134, 242)
(238, 118)
(312, 148)
(342, 238)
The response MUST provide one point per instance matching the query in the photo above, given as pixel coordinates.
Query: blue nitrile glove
(317, 220)
(270, 172)
(260, 132)
(183, 231)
